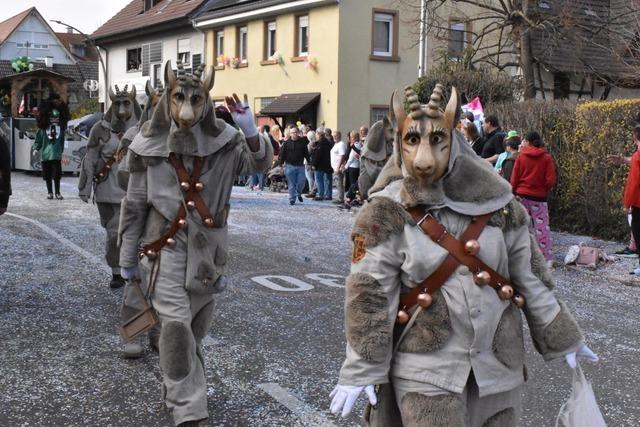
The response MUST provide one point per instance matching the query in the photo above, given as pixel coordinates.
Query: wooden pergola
(35, 83)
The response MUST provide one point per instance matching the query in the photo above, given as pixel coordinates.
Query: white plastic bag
(581, 409)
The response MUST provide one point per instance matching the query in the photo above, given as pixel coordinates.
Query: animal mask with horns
(424, 135)
(188, 94)
(123, 107)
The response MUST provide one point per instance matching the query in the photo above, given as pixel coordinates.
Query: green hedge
(588, 196)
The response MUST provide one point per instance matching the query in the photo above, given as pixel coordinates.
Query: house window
(151, 55)
(241, 47)
(457, 34)
(302, 35)
(77, 49)
(29, 45)
(561, 86)
(156, 75)
(148, 4)
(265, 101)
(134, 59)
(219, 54)
(378, 113)
(184, 51)
(383, 34)
(269, 39)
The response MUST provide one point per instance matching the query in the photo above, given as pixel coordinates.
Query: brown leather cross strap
(190, 188)
(102, 173)
(448, 266)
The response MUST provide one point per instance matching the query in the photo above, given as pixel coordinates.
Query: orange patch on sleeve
(359, 248)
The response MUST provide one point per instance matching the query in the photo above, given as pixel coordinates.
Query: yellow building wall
(259, 81)
(364, 82)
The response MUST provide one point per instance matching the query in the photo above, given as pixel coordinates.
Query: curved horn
(169, 75)
(433, 108)
(209, 79)
(148, 89)
(452, 111)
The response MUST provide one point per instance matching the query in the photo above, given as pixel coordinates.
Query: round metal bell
(107, 166)
(482, 278)
(141, 255)
(182, 223)
(518, 300)
(151, 254)
(403, 317)
(220, 285)
(185, 186)
(506, 292)
(191, 204)
(171, 241)
(472, 247)
(199, 186)
(101, 175)
(425, 300)
(208, 222)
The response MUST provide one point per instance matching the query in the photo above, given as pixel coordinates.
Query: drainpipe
(422, 65)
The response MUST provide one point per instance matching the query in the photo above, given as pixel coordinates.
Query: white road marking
(298, 285)
(327, 279)
(89, 256)
(307, 414)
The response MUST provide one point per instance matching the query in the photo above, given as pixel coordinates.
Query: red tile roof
(67, 39)
(132, 16)
(7, 27)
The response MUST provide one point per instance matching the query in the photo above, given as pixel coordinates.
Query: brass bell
(151, 254)
(425, 300)
(141, 255)
(472, 247)
(518, 300)
(182, 223)
(482, 278)
(191, 204)
(107, 166)
(101, 175)
(403, 317)
(506, 292)
(185, 186)
(171, 241)
(199, 186)
(208, 222)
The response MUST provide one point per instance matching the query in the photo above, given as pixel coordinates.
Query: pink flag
(476, 108)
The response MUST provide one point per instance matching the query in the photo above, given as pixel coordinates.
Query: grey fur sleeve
(88, 167)
(252, 163)
(371, 304)
(553, 329)
(133, 215)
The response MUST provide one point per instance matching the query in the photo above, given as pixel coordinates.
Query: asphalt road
(277, 342)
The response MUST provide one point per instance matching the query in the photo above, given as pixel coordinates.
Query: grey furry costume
(104, 139)
(462, 361)
(378, 148)
(183, 295)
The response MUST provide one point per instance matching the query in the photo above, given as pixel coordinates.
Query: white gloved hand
(583, 351)
(242, 115)
(344, 397)
(130, 273)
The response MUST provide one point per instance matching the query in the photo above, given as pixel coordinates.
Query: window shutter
(145, 59)
(196, 60)
(155, 52)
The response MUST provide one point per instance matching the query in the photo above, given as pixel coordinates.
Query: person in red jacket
(533, 177)
(631, 199)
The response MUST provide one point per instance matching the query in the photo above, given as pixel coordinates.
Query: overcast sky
(85, 15)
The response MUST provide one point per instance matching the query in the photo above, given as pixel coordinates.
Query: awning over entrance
(290, 104)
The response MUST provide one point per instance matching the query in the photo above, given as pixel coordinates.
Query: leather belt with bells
(191, 187)
(459, 253)
(102, 173)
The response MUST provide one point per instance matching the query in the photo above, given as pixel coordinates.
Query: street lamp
(90, 40)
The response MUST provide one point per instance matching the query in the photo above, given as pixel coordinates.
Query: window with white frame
(29, 45)
(377, 113)
(270, 39)
(242, 44)
(383, 31)
(134, 59)
(219, 47)
(457, 38)
(184, 51)
(302, 35)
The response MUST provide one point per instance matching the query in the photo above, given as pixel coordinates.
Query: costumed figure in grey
(130, 297)
(377, 150)
(442, 254)
(99, 170)
(173, 226)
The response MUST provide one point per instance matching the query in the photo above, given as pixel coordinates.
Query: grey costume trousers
(185, 319)
(109, 219)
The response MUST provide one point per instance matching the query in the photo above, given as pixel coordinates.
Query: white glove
(344, 396)
(130, 273)
(583, 351)
(242, 115)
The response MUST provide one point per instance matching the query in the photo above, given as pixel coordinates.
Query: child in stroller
(277, 181)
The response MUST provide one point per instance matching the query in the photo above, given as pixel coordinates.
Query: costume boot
(116, 281)
(132, 350)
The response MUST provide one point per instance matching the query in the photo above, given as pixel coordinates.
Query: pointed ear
(169, 75)
(452, 112)
(148, 89)
(132, 94)
(386, 122)
(112, 95)
(397, 110)
(209, 79)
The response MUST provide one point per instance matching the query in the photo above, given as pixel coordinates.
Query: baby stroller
(277, 180)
